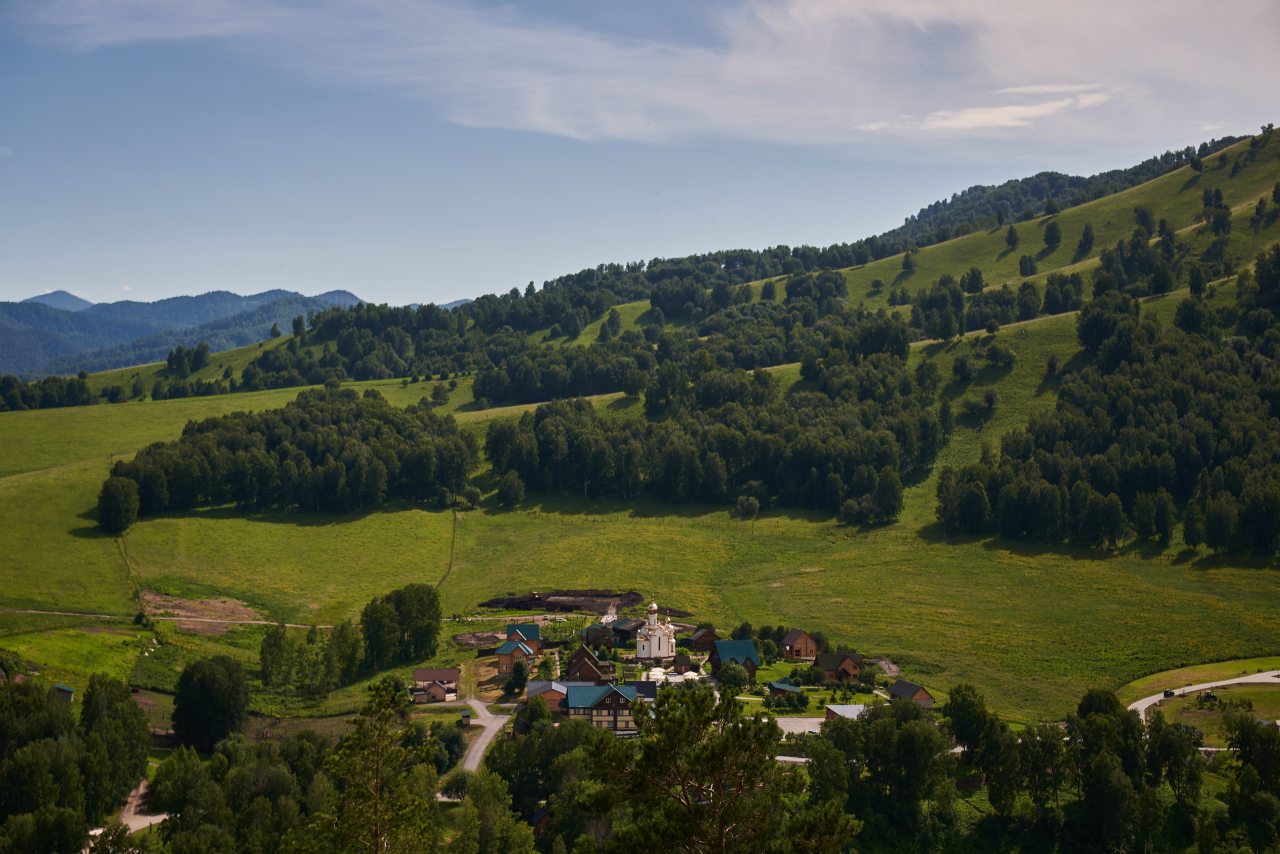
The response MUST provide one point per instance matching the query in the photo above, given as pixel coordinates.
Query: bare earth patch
(199, 616)
(775, 585)
(888, 668)
(479, 640)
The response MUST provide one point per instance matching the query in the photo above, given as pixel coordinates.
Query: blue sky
(425, 150)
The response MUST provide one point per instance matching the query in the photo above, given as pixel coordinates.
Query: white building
(655, 640)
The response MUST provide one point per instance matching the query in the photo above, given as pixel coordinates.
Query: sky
(430, 150)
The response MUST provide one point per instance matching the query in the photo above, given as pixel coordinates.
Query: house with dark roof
(839, 666)
(540, 821)
(597, 635)
(703, 640)
(582, 665)
(529, 633)
(741, 652)
(904, 690)
(511, 652)
(435, 685)
(645, 689)
(603, 706)
(783, 688)
(625, 630)
(798, 644)
(682, 663)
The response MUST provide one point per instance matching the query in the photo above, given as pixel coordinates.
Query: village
(597, 673)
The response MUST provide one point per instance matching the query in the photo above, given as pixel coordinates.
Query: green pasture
(1208, 716)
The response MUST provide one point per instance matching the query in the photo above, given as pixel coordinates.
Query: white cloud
(126, 287)
(815, 72)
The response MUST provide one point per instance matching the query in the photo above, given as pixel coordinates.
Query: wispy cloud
(817, 72)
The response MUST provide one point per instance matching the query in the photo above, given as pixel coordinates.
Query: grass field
(1261, 701)
(1195, 675)
(1032, 627)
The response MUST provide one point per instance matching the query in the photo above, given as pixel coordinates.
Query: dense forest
(723, 433)
(1161, 424)
(329, 450)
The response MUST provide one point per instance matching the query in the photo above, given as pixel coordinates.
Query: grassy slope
(1033, 627)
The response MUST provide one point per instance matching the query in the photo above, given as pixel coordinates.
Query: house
(703, 640)
(645, 689)
(540, 821)
(904, 690)
(583, 666)
(852, 712)
(782, 688)
(603, 706)
(798, 644)
(742, 652)
(655, 641)
(465, 717)
(529, 633)
(682, 663)
(65, 692)
(625, 630)
(435, 685)
(511, 652)
(839, 666)
(553, 694)
(597, 635)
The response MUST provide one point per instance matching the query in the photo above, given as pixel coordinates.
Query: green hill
(1033, 626)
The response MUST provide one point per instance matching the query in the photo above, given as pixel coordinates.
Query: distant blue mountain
(36, 339)
(60, 300)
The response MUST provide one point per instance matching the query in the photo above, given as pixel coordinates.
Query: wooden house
(798, 644)
(703, 640)
(603, 706)
(528, 633)
(511, 652)
(839, 666)
(583, 666)
(904, 690)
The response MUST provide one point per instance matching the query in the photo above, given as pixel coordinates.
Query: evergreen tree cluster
(329, 450)
(1162, 423)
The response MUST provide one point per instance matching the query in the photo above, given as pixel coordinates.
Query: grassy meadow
(1033, 627)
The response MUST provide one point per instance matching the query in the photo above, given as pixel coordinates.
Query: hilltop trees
(1163, 421)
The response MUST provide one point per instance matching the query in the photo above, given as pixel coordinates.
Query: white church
(656, 640)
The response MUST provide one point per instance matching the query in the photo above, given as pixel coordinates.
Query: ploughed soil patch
(199, 616)
(594, 601)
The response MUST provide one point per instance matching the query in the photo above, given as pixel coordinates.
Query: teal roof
(586, 696)
(738, 651)
(784, 685)
(511, 646)
(529, 631)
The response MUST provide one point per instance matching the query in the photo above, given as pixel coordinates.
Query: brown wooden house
(682, 663)
(511, 652)
(798, 644)
(904, 690)
(528, 633)
(703, 640)
(583, 666)
(839, 666)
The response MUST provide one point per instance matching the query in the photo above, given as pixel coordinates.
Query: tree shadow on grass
(1235, 561)
(90, 531)
(1190, 183)
(903, 276)
(1033, 548)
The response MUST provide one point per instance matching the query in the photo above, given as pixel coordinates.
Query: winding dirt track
(172, 619)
